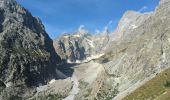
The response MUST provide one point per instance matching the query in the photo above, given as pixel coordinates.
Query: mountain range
(120, 65)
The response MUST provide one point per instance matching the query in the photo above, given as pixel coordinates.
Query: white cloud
(97, 31)
(106, 28)
(110, 22)
(144, 8)
(81, 27)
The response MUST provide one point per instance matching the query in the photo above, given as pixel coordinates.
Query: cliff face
(129, 22)
(27, 56)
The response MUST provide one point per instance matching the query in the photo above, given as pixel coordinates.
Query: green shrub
(167, 84)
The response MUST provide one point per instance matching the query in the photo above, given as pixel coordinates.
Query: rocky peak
(129, 22)
(80, 45)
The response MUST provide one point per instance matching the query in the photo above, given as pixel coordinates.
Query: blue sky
(60, 16)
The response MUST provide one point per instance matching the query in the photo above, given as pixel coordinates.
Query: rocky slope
(27, 56)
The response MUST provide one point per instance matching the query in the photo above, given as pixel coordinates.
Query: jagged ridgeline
(27, 56)
(135, 52)
(81, 45)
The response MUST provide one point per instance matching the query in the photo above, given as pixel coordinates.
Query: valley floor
(70, 86)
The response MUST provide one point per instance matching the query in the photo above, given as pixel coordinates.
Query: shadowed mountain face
(27, 56)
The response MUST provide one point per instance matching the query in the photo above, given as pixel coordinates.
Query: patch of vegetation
(85, 93)
(82, 84)
(49, 97)
(123, 50)
(107, 94)
(54, 97)
(157, 88)
(15, 98)
(112, 95)
(105, 60)
(33, 53)
(88, 92)
(167, 84)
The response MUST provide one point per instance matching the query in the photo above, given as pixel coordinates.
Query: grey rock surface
(27, 56)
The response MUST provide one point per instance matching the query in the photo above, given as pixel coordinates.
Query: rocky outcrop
(27, 56)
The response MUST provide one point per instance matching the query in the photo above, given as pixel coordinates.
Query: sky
(59, 16)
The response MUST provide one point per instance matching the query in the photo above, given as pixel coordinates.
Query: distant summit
(79, 45)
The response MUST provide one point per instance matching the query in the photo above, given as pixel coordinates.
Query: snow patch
(66, 37)
(82, 30)
(90, 42)
(69, 61)
(8, 84)
(164, 57)
(134, 26)
(169, 40)
(52, 81)
(76, 35)
(86, 60)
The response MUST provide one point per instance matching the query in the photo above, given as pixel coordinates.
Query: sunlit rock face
(129, 22)
(141, 51)
(80, 45)
(27, 56)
